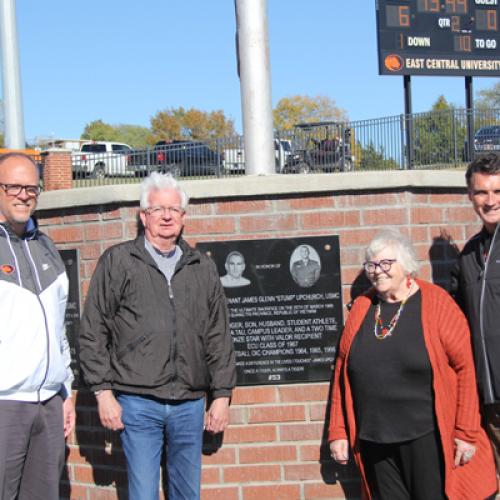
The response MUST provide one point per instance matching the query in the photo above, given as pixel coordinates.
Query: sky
(122, 61)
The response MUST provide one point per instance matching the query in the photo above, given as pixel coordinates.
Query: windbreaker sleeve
(95, 335)
(220, 354)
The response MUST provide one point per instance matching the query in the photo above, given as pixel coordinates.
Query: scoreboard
(438, 37)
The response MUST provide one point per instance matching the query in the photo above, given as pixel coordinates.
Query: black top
(391, 379)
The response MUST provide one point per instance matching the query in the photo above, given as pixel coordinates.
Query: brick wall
(274, 447)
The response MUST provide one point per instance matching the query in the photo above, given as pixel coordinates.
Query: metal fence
(432, 140)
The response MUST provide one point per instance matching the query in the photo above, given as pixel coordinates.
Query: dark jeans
(152, 425)
(411, 470)
(31, 449)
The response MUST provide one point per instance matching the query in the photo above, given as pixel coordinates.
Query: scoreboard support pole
(469, 105)
(408, 122)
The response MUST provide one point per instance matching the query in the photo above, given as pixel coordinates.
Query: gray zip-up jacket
(475, 285)
(34, 352)
(143, 335)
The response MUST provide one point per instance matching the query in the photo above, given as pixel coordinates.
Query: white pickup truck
(99, 159)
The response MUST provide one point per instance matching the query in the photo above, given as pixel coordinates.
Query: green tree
(302, 108)
(191, 124)
(98, 130)
(134, 135)
(373, 159)
(439, 136)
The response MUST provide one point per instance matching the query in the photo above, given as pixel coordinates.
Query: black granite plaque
(71, 260)
(285, 306)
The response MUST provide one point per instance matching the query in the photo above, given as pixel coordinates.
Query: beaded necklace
(382, 331)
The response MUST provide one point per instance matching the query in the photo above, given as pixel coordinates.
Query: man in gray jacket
(476, 288)
(36, 411)
(154, 341)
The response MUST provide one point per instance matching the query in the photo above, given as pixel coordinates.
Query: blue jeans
(152, 425)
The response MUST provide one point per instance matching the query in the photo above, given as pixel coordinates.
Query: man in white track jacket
(36, 411)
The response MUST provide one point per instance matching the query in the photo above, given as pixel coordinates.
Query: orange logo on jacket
(7, 269)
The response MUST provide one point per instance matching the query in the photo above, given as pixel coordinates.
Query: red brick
(419, 198)
(332, 491)
(351, 273)
(370, 200)
(112, 214)
(229, 493)
(318, 220)
(103, 494)
(317, 411)
(310, 203)
(351, 256)
(223, 456)
(276, 414)
(253, 434)
(129, 213)
(355, 237)
(274, 492)
(50, 221)
(200, 209)
(301, 432)
(238, 415)
(252, 473)
(210, 475)
(419, 233)
(385, 216)
(461, 214)
(254, 454)
(302, 472)
(299, 393)
(254, 395)
(66, 234)
(448, 198)
(426, 215)
(89, 251)
(259, 223)
(244, 207)
(210, 225)
(309, 453)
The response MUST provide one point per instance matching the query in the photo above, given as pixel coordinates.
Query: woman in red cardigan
(404, 396)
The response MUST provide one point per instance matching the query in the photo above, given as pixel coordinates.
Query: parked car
(101, 159)
(487, 138)
(181, 158)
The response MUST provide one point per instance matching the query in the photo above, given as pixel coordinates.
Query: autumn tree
(190, 124)
(301, 108)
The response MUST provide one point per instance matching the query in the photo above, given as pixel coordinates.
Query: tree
(489, 98)
(98, 130)
(439, 137)
(134, 135)
(301, 108)
(373, 159)
(191, 124)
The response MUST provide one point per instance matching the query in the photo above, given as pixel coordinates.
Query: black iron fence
(432, 140)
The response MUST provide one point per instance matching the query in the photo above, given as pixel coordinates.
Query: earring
(408, 281)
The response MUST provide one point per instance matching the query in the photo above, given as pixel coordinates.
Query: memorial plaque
(71, 261)
(285, 306)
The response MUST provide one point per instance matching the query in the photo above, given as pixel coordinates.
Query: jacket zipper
(174, 339)
(489, 387)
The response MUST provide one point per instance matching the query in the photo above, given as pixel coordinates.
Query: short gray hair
(159, 182)
(405, 253)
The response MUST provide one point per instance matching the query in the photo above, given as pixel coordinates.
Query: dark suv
(487, 139)
(187, 158)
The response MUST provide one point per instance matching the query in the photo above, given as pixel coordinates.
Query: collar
(30, 230)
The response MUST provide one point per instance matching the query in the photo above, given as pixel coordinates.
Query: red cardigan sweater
(448, 344)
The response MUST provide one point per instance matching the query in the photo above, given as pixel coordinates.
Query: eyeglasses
(161, 211)
(15, 189)
(385, 265)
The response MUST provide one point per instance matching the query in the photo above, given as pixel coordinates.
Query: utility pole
(11, 80)
(255, 84)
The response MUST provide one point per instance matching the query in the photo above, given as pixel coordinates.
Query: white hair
(159, 182)
(405, 253)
